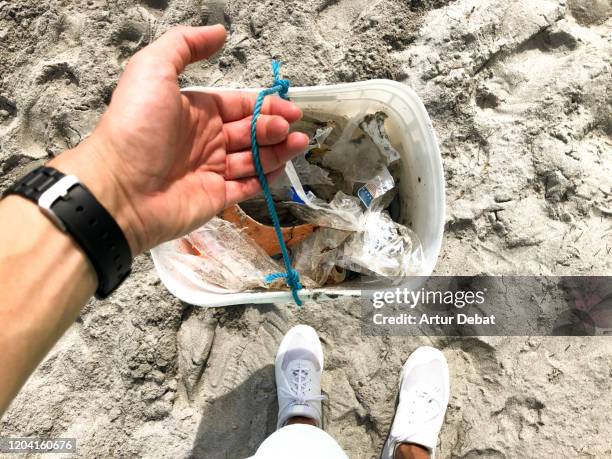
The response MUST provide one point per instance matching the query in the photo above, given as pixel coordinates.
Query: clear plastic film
(316, 256)
(377, 245)
(354, 155)
(342, 184)
(382, 247)
(374, 126)
(218, 254)
(343, 212)
(373, 191)
(318, 139)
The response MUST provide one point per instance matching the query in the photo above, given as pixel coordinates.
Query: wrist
(88, 164)
(31, 230)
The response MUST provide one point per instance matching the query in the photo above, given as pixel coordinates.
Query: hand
(165, 162)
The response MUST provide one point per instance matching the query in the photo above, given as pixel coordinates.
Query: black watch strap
(75, 210)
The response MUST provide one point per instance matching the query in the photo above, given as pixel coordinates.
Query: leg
(299, 365)
(409, 451)
(424, 391)
(301, 420)
(298, 368)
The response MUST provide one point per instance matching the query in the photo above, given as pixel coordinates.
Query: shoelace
(422, 403)
(299, 385)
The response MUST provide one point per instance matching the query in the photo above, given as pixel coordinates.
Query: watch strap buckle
(58, 190)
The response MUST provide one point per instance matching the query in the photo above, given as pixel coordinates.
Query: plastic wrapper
(355, 156)
(341, 185)
(218, 255)
(374, 126)
(343, 212)
(316, 256)
(382, 247)
(374, 190)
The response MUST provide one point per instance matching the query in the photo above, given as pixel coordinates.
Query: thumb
(183, 45)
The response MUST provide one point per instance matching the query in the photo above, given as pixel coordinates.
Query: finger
(245, 188)
(271, 130)
(184, 45)
(240, 165)
(235, 105)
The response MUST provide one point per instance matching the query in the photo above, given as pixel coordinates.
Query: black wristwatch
(75, 210)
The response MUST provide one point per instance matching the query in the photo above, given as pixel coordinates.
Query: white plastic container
(421, 187)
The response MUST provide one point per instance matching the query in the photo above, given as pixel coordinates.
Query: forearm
(160, 162)
(45, 279)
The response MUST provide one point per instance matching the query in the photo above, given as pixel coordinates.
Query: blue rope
(291, 276)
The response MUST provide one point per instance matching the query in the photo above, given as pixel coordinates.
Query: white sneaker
(299, 364)
(424, 390)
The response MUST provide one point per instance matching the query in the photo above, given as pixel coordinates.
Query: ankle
(301, 420)
(411, 451)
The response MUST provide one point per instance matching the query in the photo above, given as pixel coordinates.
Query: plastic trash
(219, 256)
(311, 174)
(374, 126)
(377, 245)
(343, 212)
(417, 196)
(319, 137)
(317, 255)
(373, 191)
(355, 155)
(382, 247)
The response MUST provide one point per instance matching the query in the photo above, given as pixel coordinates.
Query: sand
(519, 94)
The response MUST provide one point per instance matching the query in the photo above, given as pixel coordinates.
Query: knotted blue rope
(291, 276)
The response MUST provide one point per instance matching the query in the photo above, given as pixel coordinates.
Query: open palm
(177, 159)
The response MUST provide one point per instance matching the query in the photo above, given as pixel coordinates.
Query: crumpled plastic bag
(218, 256)
(319, 137)
(374, 126)
(382, 247)
(341, 213)
(363, 149)
(309, 174)
(316, 256)
(377, 245)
